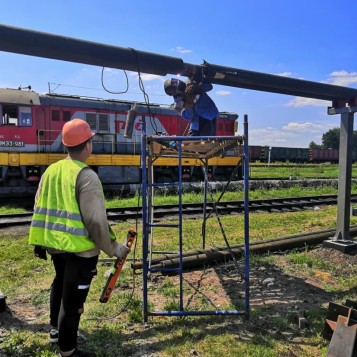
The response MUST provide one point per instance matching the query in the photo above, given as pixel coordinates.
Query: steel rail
(123, 214)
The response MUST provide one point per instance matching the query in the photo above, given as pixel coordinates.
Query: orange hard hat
(76, 132)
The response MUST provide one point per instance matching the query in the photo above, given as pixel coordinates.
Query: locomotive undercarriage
(195, 174)
(16, 181)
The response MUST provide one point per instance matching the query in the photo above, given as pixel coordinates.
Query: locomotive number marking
(11, 143)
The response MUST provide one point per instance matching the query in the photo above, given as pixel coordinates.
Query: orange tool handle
(118, 265)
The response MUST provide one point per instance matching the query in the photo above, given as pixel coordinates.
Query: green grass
(294, 191)
(111, 332)
(296, 171)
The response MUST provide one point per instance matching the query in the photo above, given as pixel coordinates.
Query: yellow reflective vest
(57, 221)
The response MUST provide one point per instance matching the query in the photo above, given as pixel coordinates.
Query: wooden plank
(342, 341)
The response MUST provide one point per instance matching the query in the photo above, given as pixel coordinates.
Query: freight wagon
(323, 155)
(295, 155)
(289, 154)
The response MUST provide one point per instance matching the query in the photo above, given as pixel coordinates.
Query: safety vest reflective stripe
(60, 228)
(83, 287)
(58, 213)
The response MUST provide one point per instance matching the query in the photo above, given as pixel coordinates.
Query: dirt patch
(286, 300)
(283, 283)
(279, 287)
(336, 257)
(277, 291)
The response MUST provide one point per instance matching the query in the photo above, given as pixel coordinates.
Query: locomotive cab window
(9, 114)
(25, 116)
(17, 116)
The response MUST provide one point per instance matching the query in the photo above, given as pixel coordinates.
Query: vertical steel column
(246, 218)
(205, 178)
(150, 202)
(341, 241)
(344, 177)
(179, 144)
(144, 217)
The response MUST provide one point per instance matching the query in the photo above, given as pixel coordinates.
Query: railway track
(196, 209)
(26, 200)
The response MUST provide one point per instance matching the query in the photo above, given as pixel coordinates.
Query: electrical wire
(142, 88)
(147, 102)
(93, 89)
(226, 186)
(154, 126)
(214, 208)
(111, 92)
(125, 306)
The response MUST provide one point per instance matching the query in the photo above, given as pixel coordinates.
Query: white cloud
(304, 102)
(150, 77)
(269, 135)
(180, 49)
(280, 140)
(223, 92)
(285, 74)
(307, 126)
(342, 78)
(292, 134)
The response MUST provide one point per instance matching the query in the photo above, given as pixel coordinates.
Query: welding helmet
(174, 86)
(76, 132)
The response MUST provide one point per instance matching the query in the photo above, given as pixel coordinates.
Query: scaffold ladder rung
(160, 269)
(167, 225)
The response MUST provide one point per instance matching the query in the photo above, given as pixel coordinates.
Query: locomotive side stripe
(115, 160)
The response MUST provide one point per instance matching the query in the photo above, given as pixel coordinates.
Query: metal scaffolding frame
(180, 147)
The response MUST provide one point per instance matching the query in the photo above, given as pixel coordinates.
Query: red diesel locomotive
(30, 139)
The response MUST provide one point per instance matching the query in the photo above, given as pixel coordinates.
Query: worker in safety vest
(70, 223)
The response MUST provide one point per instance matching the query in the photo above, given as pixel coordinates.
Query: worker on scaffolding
(193, 103)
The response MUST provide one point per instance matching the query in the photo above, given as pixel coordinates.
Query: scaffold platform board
(194, 147)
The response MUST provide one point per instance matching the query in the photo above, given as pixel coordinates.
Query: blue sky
(311, 40)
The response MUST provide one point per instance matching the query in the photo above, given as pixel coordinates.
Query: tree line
(331, 140)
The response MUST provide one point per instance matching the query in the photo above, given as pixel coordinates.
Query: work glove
(189, 101)
(40, 252)
(121, 251)
(193, 89)
(179, 104)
